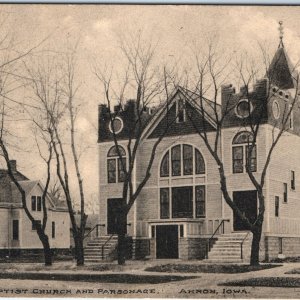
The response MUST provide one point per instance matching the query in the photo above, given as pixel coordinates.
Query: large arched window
(176, 200)
(115, 164)
(182, 160)
(240, 149)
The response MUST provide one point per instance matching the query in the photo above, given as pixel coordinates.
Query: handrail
(95, 227)
(242, 242)
(102, 248)
(209, 240)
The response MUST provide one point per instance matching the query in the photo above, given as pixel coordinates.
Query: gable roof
(281, 71)
(206, 108)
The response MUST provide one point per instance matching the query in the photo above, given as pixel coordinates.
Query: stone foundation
(140, 248)
(192, 248)
(32, 252)
(287, 246)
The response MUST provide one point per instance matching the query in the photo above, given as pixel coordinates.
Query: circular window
(276, 109)
(116, 125)
(243, 109)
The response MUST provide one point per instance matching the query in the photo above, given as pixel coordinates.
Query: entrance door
(113, 210)
(246, 201)
(167, 241)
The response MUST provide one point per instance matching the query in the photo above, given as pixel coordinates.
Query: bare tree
(10, 75)
(55, 92)
(213, 70)
(143, 78)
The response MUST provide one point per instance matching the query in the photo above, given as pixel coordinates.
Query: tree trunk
(47, 250)
(254, 260)
(122, 224)
(79, 250)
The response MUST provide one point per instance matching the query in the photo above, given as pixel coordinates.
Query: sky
(97, 29)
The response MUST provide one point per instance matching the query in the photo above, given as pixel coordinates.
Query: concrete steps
(101, 248)
(227, 248)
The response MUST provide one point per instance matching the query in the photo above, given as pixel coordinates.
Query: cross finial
(280, 28)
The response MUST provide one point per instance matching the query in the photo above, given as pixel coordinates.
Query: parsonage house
(18, 235)
(181, 206)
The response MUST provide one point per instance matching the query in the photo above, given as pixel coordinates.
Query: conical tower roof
(281, 71)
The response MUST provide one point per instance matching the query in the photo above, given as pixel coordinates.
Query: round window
(244, 108)
(116, 125)
(276, 109)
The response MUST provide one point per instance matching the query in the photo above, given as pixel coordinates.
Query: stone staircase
(93, 250)
(227, 248)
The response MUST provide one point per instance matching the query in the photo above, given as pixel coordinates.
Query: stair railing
(96, 227)
(242, 242)
(213, 235)
(106, 242)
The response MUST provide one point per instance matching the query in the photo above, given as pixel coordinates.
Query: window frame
(238, 142)
(293, 180)
(167, 203)
(188, 214)
(196, 159)
(33, 224)
(183, 111)
(203, 215)
(53, 230)
(277, 205)
(116, 165)
(15, 230)
(285, 192)
(33, 203)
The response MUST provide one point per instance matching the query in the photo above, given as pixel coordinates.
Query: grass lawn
(187, 268)
(101, 278)
(292, 282)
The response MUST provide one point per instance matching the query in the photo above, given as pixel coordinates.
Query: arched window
(182, 160)
(240, 150)
(116, 164)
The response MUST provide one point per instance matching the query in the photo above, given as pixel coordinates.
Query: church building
(181, 213)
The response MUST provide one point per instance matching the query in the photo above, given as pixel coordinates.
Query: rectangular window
(276, 206)
(237, 159)
(200, 201)
(252, 159)
(164, 203)
(181, 230)
(180, 111)
(291, 120)
(293, 180)
(187, 160)
(15, 230)
(121, 173)
(35, 223)
(111, 170)
(182, 202)
(53, 230)
(33, 203)
(39, 203)
(176, 160)
(285, 193)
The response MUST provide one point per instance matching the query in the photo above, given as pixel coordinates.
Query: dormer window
(180, 111)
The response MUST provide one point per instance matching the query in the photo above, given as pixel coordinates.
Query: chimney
(13, 165)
